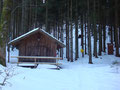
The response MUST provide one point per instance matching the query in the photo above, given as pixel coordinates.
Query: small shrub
(115, 62)
(6, 74)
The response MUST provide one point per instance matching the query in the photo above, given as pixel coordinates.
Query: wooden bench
(38, 57)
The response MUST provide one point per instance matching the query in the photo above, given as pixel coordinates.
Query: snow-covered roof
(34, 31)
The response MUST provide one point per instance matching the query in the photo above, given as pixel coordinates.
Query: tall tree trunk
(111, 34)
(62, 32)
(119, 37)
(71, 46)
(85, 38)
(66, 38)
(61, 36)
(82, 35)
(3, 55)
(104, 38)
(76, 31)
(4, 28)
(67, 31)
(58, 30)
(13, 22)
(54, 29)
(46, 22)
(35, 13)
(1, 6)
(95, 41)
(100, 40)
(100, 29)
(116, 28)
(95, 31)
(24, 23)
(114, 33)
(89, 35)
(30, 15)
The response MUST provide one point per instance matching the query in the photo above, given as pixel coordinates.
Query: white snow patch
(45, 66)
(78, 75)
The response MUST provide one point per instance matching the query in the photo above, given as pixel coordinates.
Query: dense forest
(92, 17)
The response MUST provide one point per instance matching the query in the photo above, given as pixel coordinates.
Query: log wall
(37, 45)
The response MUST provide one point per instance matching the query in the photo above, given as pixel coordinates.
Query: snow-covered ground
(78, 75)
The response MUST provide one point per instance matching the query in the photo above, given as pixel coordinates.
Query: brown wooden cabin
(37, 42)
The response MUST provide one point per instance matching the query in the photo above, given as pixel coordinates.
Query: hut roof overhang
(36, 30)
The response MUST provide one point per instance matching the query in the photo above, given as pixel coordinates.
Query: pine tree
(4, 27)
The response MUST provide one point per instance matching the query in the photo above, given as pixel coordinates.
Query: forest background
(92, 17)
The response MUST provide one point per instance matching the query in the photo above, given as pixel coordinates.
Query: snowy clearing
(78, 75)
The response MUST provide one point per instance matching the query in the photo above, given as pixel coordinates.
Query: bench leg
(18, 63)
(57, 65)
(36, 63)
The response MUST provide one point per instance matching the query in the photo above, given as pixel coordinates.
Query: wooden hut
(37, 42)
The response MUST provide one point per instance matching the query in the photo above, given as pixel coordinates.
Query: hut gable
(32, 32)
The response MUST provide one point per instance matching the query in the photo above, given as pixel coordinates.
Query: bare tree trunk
(76, 31)
(30, 15)
(1, 7)
(71, 46)
(111, 34)
(55, 29)
(61, 33)
(3, 55)
(85, 37)
(99, 29)
(35, 13)
(116, 28)
(119, 37)
(24, 23)
(67, 31)
(89, 35)
(66, 38)
(46, 22)
(95, 31)
(82, 35)
(58, 31)
(100, 40)
(4, 28)
(104, 38)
